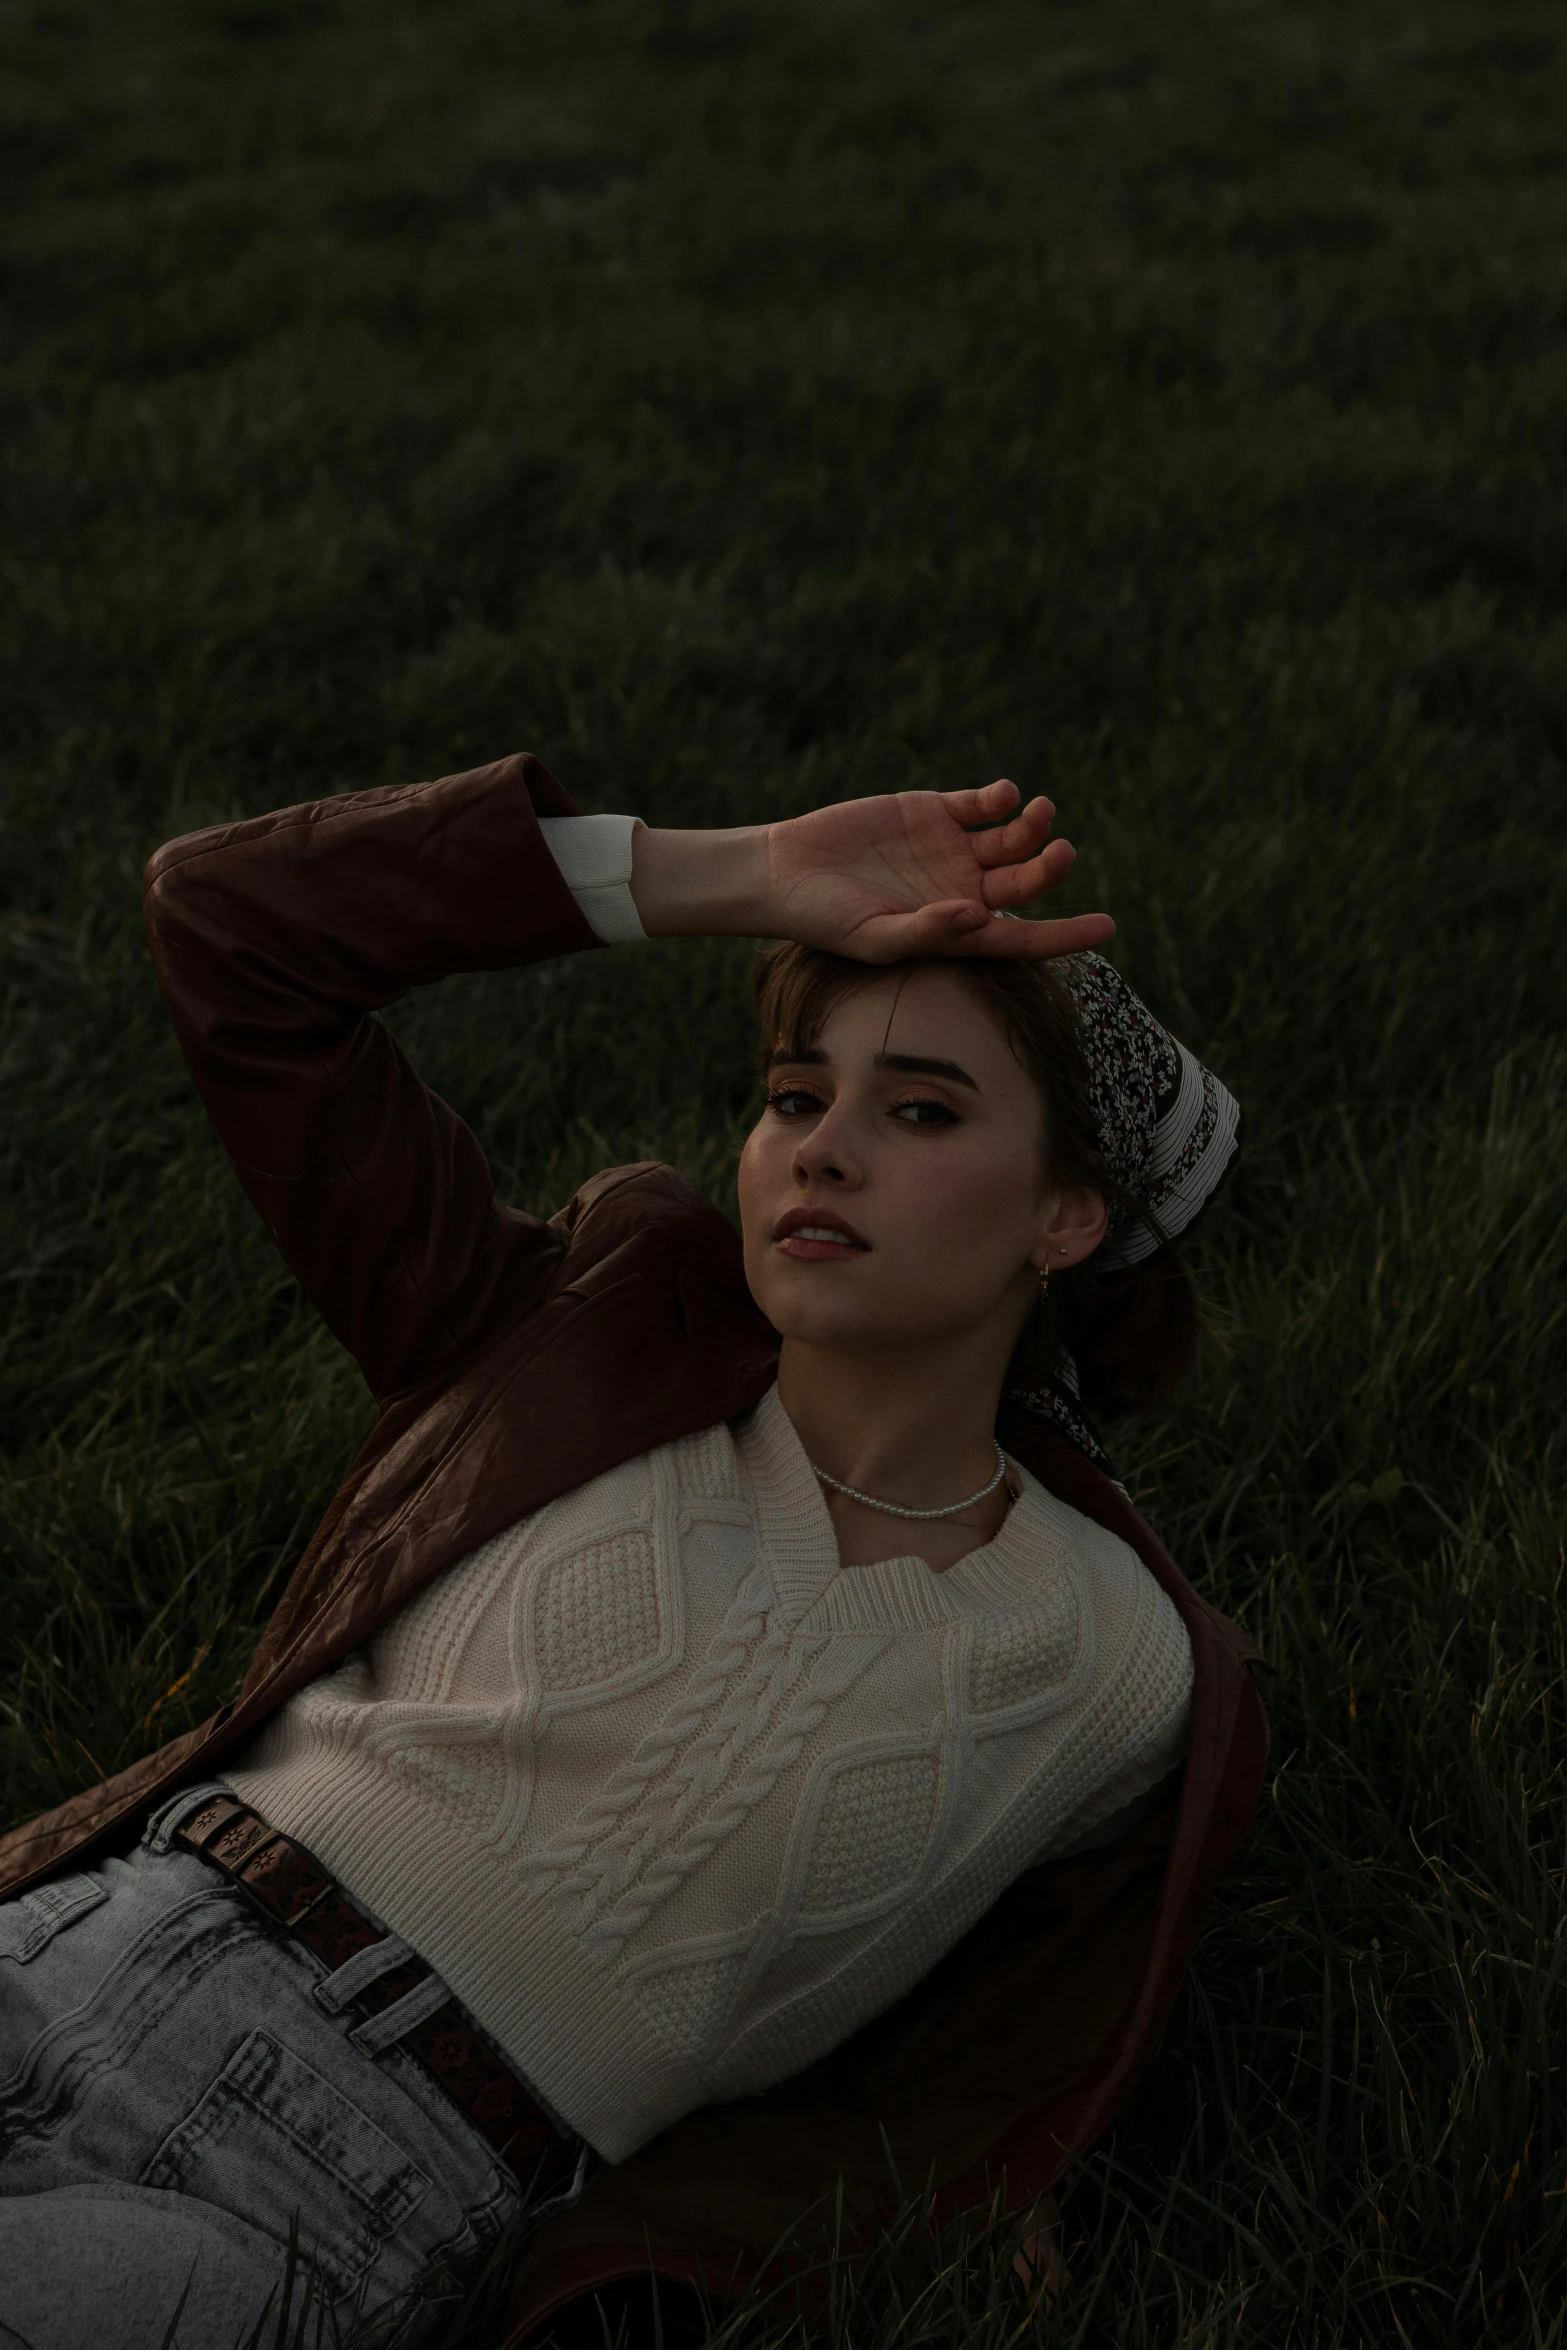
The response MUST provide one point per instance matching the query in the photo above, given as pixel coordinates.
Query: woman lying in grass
(729, 1725)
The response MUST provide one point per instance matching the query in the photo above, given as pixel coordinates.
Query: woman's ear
(1077, 1219)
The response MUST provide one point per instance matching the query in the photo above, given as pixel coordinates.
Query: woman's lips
(817, 1238)
(815, 1249)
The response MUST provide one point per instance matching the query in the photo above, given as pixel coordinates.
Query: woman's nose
(826, 1156)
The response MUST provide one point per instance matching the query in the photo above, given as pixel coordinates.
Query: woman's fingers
(1000, 843)
(1009, 939)
(1010, 844)
(1018, 884)
(946, 926)
(961, 928)
(987, 803)
(931, 930)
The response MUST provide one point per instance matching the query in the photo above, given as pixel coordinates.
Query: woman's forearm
(711, 884)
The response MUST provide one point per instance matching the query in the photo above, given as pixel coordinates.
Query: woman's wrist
(701, 884)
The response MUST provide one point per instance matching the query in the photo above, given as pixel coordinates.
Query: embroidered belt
(296, 1892)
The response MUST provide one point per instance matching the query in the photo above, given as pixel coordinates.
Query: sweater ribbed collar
(796, 1538)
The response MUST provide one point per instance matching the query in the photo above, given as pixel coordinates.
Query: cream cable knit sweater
(674, 1802)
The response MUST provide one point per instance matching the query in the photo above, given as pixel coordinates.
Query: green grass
(747, 406)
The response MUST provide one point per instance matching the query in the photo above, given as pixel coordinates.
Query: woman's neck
(914, 1429)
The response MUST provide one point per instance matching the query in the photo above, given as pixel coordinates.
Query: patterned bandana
(1168, 1130)
(1059, 1403)
(1167, 1127)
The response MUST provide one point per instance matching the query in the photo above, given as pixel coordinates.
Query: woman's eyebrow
(917, 1065)
(904, 1064)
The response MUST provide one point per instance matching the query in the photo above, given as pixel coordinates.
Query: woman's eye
(925, 1113)
(793, 1101)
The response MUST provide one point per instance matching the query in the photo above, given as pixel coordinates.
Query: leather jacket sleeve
(276, 943)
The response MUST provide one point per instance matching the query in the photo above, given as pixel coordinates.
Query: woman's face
(891, 1193)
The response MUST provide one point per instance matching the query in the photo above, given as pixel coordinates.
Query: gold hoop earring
(1044, 1283)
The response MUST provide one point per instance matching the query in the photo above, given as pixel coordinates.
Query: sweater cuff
(593, 854)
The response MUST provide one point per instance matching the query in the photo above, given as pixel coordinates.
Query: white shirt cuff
(594, 857)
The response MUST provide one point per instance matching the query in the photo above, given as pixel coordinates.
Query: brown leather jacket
(511, 1359)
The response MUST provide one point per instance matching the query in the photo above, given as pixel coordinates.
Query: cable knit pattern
(675, 1802)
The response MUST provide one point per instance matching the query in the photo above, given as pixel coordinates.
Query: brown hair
(1133, 1333)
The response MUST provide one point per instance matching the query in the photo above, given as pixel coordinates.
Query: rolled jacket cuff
(593, 854)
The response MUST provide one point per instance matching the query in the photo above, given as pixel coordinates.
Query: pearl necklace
(896, 1508)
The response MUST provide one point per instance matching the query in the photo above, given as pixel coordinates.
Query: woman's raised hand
(907, 875)
(878, 879)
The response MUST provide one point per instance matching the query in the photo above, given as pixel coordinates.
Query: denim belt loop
(404, 2015)
(356, 1974)
(158, 1834)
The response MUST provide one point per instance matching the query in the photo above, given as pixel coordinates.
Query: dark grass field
(750, 406)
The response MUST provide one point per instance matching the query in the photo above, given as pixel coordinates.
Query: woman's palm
(907, 874)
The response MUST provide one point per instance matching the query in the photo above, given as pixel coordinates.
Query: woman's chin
(843, 1328)
(836, 1308)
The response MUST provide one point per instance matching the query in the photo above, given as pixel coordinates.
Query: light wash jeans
(173, 2099)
